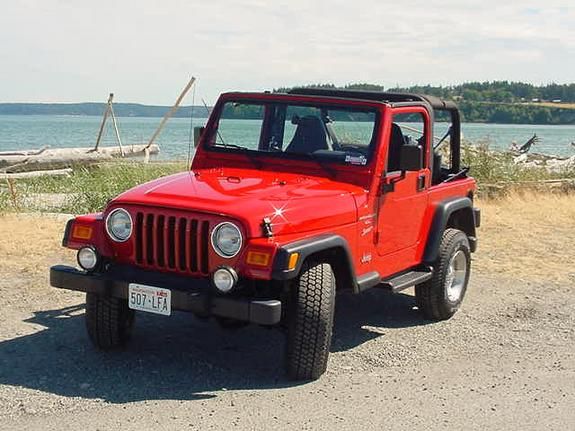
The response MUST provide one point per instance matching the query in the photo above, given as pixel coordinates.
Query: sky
(145, 51)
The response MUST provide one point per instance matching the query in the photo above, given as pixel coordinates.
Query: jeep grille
(172, 243)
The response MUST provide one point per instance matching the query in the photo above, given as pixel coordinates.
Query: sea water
(25, 132)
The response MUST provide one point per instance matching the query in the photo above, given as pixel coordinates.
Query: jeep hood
(293, 203)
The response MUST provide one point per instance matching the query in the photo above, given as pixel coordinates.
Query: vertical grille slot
(149, 238)
(204, 246)
(171, 245)
(159, 245)
(139, 237)
(193, 247)
(181, 246)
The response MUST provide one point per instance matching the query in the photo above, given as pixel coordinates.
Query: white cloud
(145, 50)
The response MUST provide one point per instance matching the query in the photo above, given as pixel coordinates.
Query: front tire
(441, 296)
(109, 321)
(310, 322)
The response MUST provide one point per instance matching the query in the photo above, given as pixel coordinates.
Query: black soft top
(378, 96)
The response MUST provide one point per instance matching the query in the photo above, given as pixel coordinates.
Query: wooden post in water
(111, 109)
(104, 118)
(171, 111)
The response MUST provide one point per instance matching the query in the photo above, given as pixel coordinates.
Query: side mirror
(198, 132)
(411, 158)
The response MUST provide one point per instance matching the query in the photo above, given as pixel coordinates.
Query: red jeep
(290, 198)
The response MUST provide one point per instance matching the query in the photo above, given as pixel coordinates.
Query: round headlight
(226, 239)
(87, 258)
(119, 225)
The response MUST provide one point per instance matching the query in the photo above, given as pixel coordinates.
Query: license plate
(150, 299)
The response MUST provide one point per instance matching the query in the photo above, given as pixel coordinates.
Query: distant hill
(121, 109)
(480, 102)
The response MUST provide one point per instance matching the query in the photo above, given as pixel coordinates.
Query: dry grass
(528, 236)
(30, 243)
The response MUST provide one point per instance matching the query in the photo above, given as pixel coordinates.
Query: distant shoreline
(205, 116)
(92, 109)
(472, 112)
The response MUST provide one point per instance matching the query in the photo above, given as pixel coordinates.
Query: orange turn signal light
(258, 258)
(292, 263)
(82, 232)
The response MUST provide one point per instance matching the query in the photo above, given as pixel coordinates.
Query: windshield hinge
(267, 227)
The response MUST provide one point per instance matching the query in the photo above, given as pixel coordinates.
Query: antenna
(191, 134)
(218, 129)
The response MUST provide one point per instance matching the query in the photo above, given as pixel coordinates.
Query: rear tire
(109, 321)
(441, 296)
(310, 322)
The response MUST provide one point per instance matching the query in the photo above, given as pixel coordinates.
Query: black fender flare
(310, 246)
(440, 219)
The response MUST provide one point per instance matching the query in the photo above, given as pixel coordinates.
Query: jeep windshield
(325, 133)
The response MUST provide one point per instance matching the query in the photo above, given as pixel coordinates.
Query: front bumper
(195, 295)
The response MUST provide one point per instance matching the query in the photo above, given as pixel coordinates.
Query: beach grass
(491, 167)
(88, 189)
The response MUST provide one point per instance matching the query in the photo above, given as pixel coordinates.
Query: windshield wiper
(244, 150)
(209, 113)
(225, 145)
(331, 172)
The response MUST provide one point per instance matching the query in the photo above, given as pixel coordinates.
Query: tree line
(492, 102)
(500, 91)
(491, 91)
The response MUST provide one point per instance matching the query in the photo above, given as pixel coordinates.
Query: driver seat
(309, 136)
(394, 152)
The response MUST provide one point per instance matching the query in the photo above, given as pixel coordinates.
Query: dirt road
(505, 361)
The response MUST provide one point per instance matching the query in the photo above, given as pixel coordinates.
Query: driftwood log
(495, 190)
(66, 172)
(547, 162)
(60, 158)
(23, 152)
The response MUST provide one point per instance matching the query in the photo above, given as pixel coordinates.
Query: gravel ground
(505, 361)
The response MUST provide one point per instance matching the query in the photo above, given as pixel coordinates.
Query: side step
(403, 281)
